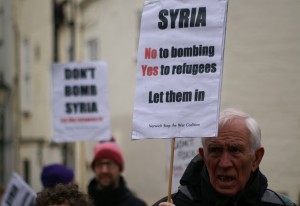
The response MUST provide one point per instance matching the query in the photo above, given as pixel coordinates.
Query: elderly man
(228, 173)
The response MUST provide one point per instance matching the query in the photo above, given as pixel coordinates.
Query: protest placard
(179, 69)
(18, 193)
(80, 102)
(185, 150)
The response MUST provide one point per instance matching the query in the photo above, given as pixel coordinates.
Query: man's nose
(225, 161)
(104, 168)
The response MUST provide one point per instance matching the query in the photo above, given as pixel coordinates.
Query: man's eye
(234, 150)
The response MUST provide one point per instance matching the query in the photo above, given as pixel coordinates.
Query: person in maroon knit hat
(108, 187)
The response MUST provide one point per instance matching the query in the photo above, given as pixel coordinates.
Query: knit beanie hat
(108, 150)
(56, 173)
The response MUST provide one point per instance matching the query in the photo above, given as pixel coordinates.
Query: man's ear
(259, 153)
(201, 152)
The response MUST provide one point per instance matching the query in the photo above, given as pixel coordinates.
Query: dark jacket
(120, 196)
(196, 189)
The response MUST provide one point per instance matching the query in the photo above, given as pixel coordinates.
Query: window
(25, 72)
(26, 170)
(92, 49)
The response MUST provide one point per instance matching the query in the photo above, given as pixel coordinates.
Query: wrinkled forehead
(227, 141)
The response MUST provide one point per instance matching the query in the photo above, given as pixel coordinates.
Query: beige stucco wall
(35, 24)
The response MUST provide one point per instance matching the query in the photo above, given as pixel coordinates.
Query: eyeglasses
(108, 164)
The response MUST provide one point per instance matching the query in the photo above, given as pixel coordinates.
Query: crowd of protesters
(107, 187)
(225, 172)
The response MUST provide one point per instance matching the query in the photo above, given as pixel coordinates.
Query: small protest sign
(179, 69)
(80, 102)
(185, 150)
(18, 193)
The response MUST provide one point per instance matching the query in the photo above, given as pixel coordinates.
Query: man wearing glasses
(108, 187)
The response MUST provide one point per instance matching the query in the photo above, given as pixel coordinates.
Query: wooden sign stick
(171, 171)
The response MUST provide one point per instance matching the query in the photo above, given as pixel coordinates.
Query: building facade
(261, 76)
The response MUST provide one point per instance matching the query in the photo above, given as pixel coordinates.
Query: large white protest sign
(179, 69)
(18, 193)
(185, 149)
(80, 102)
